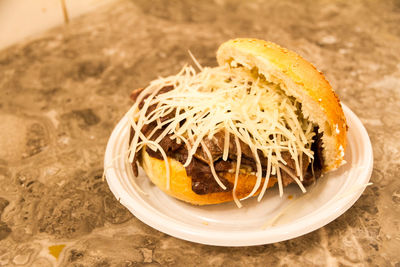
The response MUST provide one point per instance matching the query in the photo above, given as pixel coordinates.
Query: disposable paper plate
(272, 220)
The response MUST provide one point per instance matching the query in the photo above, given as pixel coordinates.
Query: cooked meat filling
(199, 169)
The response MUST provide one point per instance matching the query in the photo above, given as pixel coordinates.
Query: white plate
(272, 220)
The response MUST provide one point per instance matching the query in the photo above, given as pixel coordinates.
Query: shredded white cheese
(231, 100)
(238, 161)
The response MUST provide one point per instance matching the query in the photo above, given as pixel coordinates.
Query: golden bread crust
(293, 69)
(181, 183)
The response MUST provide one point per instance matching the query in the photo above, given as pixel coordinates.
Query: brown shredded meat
(199, 169)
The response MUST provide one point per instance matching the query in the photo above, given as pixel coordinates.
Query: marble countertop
(63, 92)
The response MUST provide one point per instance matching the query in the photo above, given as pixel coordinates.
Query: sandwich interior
(226, 119)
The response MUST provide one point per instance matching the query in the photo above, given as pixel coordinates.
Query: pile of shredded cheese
(235, 101)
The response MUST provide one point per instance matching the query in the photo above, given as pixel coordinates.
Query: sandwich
(263, 118)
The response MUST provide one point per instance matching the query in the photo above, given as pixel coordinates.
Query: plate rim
(173, 227)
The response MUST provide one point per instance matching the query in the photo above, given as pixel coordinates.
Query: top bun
(300, 79)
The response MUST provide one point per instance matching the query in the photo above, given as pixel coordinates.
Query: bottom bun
(181, 183)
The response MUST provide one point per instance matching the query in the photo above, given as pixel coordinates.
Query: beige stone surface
(62, 93)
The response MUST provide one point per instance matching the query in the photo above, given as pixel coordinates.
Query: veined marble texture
(61, 94)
